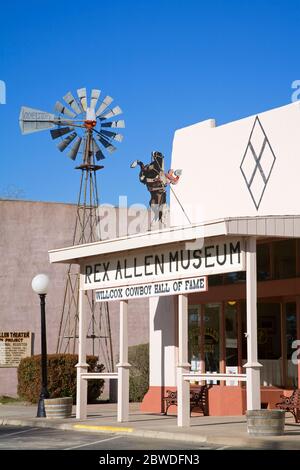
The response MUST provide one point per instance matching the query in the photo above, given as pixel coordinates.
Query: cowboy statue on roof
(156, 180)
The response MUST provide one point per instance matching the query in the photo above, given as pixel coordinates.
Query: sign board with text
(163, 264)
(179, 286)
(232, 370)
(14, 346)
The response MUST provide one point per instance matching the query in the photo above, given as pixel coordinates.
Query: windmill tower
(84, 130)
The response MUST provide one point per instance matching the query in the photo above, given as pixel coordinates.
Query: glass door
(211, 320)
(194, 338)
(291, 335)
(231, 335)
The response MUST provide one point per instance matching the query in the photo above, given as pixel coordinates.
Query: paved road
(29, 438)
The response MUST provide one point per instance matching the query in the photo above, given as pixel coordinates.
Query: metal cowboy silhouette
(156, 180)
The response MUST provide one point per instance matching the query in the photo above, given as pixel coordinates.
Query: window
(291, 328)
(231, 342)
(235, 278)
(284, 259)
(194, 337)
(291, 335)
(212, 337)
(263, 262)
(215, 280)
(268, 330)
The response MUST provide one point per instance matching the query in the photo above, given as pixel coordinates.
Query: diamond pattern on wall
(257, 163)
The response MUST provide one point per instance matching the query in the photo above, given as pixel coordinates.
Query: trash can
(265, 422)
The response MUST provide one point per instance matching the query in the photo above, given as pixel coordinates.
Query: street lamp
(40, 285)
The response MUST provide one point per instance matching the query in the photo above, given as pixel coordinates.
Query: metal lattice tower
(86, 231)
(91, 131)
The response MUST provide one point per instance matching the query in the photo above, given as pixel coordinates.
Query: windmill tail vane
(81, 125)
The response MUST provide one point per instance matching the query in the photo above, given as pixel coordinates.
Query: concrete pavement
(36, 438)
(220, 430)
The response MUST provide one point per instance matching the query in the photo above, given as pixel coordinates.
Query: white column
(82, 366)
(183, 387)
(123, 366)
(252, 366)
(163, 338)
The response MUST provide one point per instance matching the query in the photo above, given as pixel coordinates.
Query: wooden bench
(291, 404)
(198, 399)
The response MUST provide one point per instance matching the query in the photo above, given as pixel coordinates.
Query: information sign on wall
(14, 346)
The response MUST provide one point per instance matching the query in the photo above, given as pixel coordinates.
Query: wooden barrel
(58, 407)
(265, 422)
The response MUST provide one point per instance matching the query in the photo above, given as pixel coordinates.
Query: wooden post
(239, 340)
(252, 366)
(123, 366)
(82, 366)
(183, 386)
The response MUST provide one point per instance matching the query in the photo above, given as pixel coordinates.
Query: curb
(240, 442)
(91, 428)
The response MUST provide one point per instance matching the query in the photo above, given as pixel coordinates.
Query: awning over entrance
(258, 227)
(129, 264)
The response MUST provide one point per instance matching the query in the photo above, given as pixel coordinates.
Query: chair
(198, 399)
(291, 404)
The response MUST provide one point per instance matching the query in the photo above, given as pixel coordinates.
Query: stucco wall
(27, 231)
(237, 169)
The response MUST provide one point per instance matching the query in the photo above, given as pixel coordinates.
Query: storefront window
(284, 259)
(263, 262)
(231, 342)
(212, 337)
(269, 342)
(194, 338)
(215, 280)
(268, 331)
(291, 335)
(235, 278)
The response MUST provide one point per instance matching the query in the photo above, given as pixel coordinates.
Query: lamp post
(40, 285)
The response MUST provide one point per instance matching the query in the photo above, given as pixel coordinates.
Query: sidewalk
(222, 430)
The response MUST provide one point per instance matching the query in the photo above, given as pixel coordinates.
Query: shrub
(61, 373)
(138, 357)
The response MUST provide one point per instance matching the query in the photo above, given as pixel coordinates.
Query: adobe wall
(27, 231)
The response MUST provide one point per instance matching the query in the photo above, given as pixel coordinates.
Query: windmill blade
(33, 120)
(68, 122)
(94, 98)
(114, 112)
(120, 124)
(71, 101)
(74, 150)
(97, 151)
(112, 135)
(82, 145)
(55, 133)
(109, 147)
(64, 143)
(106, 102)
(60, 108)
(81, 92)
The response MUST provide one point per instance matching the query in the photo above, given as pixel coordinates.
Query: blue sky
(167, 64)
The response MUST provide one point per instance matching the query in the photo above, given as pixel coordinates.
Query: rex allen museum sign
(163, 271)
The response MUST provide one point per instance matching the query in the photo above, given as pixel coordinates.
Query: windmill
(90, 130)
